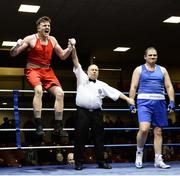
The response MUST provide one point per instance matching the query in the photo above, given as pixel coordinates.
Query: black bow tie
(93, 80)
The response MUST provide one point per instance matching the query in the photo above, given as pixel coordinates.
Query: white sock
(157, 156)
(140, 149)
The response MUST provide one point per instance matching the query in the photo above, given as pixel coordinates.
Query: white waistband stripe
(151, 96)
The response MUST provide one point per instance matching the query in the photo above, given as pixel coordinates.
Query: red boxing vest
(40, 54)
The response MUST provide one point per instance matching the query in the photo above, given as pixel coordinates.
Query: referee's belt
(90, 110)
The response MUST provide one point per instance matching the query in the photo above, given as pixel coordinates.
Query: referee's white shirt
(89, 94)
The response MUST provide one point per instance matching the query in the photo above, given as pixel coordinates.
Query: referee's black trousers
(89, 119)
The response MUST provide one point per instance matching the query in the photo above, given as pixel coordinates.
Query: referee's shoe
(104, 165)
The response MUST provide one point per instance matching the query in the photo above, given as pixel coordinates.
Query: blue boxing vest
(151, 82)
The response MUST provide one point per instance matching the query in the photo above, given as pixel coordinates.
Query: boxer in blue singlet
(151, 80)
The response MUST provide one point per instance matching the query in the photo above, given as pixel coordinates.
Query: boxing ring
(121, 168)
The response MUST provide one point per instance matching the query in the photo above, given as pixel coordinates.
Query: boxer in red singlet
(39, 74)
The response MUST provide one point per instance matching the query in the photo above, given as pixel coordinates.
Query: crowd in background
(58, 156)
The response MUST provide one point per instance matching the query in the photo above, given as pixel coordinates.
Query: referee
(90, 93)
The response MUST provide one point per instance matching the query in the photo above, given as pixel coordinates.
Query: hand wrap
(171, 106)
(132, 108)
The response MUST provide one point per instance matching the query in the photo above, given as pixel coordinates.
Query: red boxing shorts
(41, 76)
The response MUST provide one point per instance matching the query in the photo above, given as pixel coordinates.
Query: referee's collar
(93, 80)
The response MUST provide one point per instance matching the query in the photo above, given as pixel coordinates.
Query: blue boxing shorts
(153, 111)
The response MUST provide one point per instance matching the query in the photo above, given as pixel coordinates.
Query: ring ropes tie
(17, 119)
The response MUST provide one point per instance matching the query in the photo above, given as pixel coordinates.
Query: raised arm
(21, 45)
(75, 59)
(62, 53)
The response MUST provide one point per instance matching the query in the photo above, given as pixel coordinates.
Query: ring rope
(111, 69)
(71, 129)
(17, 129)
(87, 146)
(65, 109)
(69, 109)
(30, 109)
(32, 91)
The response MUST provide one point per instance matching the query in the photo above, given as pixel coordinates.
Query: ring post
(17, 121)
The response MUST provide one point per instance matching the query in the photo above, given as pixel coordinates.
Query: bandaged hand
(13, 50)
(72, 41)
(132, 108)
(19, 42)
(71, 44)
(171, 106)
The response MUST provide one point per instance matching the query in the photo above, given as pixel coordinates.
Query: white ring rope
(72, 146)
(109, 69)
(68, 91)
(52, 109)
(65, 146)
(72, 129)
(30, 109)
(30, 91)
